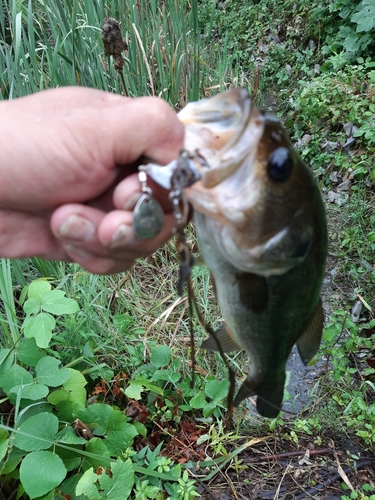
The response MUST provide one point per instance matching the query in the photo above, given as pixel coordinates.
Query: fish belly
(245, 309)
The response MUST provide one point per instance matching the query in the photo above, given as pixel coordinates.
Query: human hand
(67, 175)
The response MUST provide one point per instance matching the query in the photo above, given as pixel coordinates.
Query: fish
(262, 232)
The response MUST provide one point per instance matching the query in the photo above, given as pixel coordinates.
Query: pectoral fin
(225, 340)
(270, 396)
(309, 342)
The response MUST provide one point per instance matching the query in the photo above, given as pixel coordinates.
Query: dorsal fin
(225, 340)
(309, 342)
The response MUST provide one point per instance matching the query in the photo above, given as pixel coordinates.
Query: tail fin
(270, 397)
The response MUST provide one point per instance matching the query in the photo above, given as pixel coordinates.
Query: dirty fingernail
(80, 252)
(132, 201)
(77, 228)
(123, 236)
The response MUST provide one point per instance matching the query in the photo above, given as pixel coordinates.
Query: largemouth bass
(262, 231)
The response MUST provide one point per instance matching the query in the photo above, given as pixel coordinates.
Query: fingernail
(77, 228)
(80, 252)
(132, 201)
(123, 236)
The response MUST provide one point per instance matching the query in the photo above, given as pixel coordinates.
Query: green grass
(49, 44)
(124, 319)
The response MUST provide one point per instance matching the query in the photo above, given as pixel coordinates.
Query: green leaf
(68, 487)
(120, 483)
(33, 409)
(49, 373)
(141, 428)
(66, 410)
(136, 387)
(160, 356)
(12, 461)
(209, 408)
(198, 401)
(70, 458)
(38, 428)
(6, 360)
(351, 44)
(30, 391)
(86, 485)
(56, 397)
(95, 415)
(365, 18)
(68, 436)
(29, 353)
(75, 385)
(40, 327)
(3, 443)
(55, 302)
(16, 375)
(167, 375)
(41, 472)
(31, 306)
(97, 447)
(50, 496)
(123, 321)
(75, 381)
(37, 289)
(120, 433)
(216, 389)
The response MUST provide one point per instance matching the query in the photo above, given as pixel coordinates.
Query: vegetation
(70, 339)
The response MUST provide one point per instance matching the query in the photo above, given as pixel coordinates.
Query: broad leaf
(31, 391)
(120, 482)
(216, 389)
(209, 408)
(198, 401)
(33, 409)
(160, 356)
(55, 302)
(41, 472)
(49, 373)
(37, 289)
(3, 443)
(41, 430)
(6, 360)
(365, 18)
(31, 306)
(120, 433)
(29, 353)
(68, 436)
(97, 447)
(75, 381)
(136, 387)
(40, 327)
(75, 385)
(167, 375)
(56, 397)
(16, 375)
(96, 415)
(86, 485)
(70, 458)
(12, 461)
(68, 487)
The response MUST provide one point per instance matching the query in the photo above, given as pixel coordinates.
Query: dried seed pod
(114, 44)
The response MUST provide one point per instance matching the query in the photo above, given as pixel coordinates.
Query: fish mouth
(257, 224)
(221, 130)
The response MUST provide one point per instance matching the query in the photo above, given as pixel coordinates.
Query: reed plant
(46, 44)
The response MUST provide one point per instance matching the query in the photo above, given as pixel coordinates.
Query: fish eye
(280, 165)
